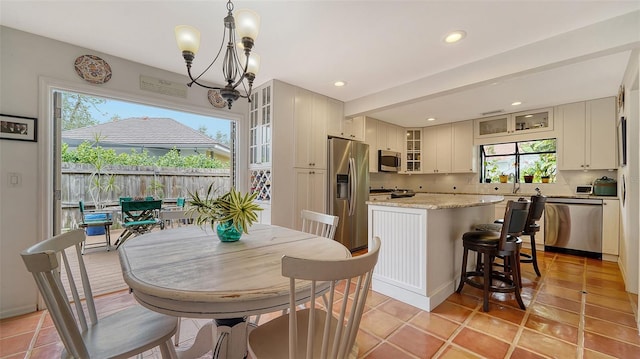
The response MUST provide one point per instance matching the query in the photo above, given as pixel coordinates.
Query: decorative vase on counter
(227, 232)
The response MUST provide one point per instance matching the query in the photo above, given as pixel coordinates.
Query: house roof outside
(145, 132)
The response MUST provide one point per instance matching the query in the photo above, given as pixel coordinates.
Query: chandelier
(239, 63)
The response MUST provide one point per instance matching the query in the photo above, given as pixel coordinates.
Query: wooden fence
(166, 183)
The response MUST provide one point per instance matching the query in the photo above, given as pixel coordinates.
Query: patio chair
(95, 220)
(138, 217)
(123, 334)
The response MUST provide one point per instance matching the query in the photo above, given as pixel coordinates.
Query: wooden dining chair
(320, 224)
(316, 332)
(536, 209)
(489, 245)
(122, 334)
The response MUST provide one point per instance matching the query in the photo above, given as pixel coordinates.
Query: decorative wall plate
(215, 99)
(621, 98)
(93, 69)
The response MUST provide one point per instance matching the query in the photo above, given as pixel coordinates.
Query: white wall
(30, 66)
(630, 207)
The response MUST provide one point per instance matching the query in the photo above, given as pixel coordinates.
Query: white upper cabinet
(588, 138)
(509, 126)
(310, 122)
(448, 148)
(349, 128)
(260, 113)
(390, 137)
(464, 153)
(436, 146)
(413, 150)
(370, 138)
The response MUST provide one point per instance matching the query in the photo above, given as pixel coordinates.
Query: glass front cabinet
(260, 128)
(414, 150)
(515, 123)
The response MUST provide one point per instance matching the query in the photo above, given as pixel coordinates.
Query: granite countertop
(439, 201)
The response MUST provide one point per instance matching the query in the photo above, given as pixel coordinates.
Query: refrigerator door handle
(353, 190)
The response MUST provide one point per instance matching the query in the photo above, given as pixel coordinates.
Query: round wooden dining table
(188, 272)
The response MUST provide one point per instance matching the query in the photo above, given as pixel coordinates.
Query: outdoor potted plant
(230, 214)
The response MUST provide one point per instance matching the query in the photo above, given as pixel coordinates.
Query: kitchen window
(523, 161)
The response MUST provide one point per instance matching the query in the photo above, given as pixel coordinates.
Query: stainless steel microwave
(388, 161)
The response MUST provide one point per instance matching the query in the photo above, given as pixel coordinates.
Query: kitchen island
(421, 253)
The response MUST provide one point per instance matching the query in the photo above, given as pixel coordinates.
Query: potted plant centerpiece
(230, 214)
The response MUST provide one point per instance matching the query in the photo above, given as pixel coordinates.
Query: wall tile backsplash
(469, 183)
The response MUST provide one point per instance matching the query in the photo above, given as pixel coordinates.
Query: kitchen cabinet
(449, 148)
(413, 154)
(296, 180)
(520, 123)
(379, 197)
(310, 192)
(311, 113)
(437, 149)
(349, 128)
(390, 137)
(260, 115)
(588, 139)
(610, 227)
(370, 138)
(464, 153)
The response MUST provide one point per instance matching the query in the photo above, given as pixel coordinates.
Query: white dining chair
(316, 332)
(320, 224)
(123, 334)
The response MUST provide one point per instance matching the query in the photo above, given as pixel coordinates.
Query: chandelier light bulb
(188, 38)
(247, 24)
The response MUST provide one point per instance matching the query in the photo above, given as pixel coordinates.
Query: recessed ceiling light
(455, 36)
(516, 103)
(528, 116)
(339, 83)
(431, 119)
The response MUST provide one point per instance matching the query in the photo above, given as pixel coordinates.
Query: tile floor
(577, 309)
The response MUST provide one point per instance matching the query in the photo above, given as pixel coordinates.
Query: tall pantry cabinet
(298, 142)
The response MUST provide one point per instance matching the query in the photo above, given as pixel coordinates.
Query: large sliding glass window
(519, 159)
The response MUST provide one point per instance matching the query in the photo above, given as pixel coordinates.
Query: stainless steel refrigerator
(348, 190)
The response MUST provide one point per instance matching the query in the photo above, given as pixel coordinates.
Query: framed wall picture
(622, 142)
(18, 128)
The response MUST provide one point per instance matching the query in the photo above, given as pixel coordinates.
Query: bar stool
(489, 245)
(536, 209)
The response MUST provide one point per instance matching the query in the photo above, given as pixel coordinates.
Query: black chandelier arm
(195, 81)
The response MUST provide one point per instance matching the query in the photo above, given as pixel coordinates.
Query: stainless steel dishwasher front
(573, 226)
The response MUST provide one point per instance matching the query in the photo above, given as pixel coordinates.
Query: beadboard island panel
(421, 254)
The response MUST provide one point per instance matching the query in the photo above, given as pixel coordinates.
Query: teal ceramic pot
(227, 232)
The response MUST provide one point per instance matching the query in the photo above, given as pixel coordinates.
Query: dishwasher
(573, 226)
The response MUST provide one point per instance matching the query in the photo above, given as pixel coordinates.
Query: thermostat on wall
(586, 189)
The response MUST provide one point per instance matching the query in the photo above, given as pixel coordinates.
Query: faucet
(516, 187)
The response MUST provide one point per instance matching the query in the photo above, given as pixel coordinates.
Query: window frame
(517, 154)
